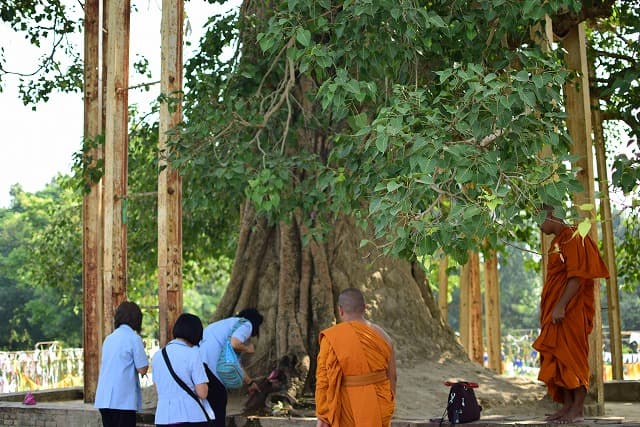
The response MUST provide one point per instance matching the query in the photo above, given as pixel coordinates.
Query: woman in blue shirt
(118, 395)
(175, 405)
(214, 338)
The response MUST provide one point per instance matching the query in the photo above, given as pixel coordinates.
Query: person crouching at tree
(238, 330)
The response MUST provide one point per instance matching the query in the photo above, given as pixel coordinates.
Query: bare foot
(559, 414)
(569, 418)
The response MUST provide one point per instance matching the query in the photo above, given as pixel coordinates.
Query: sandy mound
(422, 394)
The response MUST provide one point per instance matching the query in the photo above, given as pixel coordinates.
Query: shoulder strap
(183, 385)
(241, 321)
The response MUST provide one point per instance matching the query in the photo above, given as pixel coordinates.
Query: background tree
(40, 268)
(615, 52)
(49, 26)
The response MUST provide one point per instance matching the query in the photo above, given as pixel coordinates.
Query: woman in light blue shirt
(118, 395)
(214, 338)
(175, 406)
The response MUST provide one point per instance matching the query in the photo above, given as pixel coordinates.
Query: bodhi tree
(357, 137)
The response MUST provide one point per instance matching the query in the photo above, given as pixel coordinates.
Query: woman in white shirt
(118, 395)
(175, 405)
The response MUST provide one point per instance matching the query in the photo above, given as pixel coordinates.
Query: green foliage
(520, 287)
(630, 309)
(47, 25)
(615, 52)
(204, 285)
(628, 254)
(614, 49)
(40, 268)
(412, 116)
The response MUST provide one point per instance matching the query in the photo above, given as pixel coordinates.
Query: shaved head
(352, 301)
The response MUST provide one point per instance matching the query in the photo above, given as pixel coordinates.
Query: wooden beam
(579, 126)
(92, 202)
(613, 300)
(475, 309)
(492, 312)
(169, 182)
(115, 165)
(443, 287)
(464, 315)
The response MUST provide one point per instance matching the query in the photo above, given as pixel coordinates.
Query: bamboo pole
(475, 309)
(464, 315)
(613, 301)
(92, 202)
(492, 312)
(169, 182)
(115, 165)
(443, 287)
(579, 126)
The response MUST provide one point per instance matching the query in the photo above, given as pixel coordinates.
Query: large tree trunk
(296, 287)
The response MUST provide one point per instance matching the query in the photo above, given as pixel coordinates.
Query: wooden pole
(465, 291)
(92, 202)
(579, 126)
(492, 312)
(613, 300)
(443, 287)
(543, 34)
(475, 305)
(169, 182)
(115, 165)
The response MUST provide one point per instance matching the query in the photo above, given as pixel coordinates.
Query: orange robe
(353, 349)
(564, 346)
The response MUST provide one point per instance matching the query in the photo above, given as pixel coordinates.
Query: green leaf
(584, 227)
(393, 186)
(381, 142)
(303, 36)
(522, 76)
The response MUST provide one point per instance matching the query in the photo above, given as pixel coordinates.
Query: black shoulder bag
(184, 386)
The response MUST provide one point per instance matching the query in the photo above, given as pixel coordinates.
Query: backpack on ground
(462, 405)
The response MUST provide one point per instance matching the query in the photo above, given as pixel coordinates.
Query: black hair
(128, 313)
(189, 328)
(253, 316)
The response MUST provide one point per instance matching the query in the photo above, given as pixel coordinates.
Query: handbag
(184, 386)
(228, 366)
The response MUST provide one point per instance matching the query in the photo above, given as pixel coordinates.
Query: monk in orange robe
(566, 317)
(356, 372)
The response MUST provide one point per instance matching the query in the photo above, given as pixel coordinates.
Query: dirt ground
(421, 393)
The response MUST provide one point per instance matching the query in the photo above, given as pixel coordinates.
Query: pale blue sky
(36, 146)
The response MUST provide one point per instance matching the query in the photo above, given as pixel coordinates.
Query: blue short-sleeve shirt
(118, 383)
(215, 335)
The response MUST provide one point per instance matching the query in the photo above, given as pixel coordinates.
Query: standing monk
(356, 373)
(566, 317)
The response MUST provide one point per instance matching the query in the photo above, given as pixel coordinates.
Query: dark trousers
(203, 424)
(118, 417)
(217, 398)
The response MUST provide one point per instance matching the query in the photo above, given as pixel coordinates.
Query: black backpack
(462, 405)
